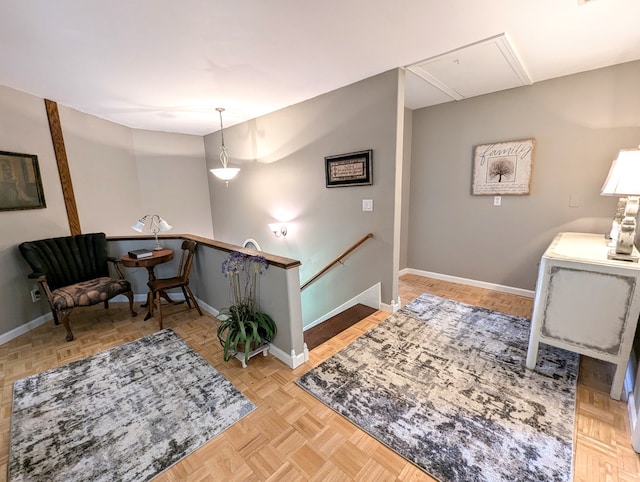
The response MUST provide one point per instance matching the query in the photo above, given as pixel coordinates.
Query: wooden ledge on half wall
(272, 259)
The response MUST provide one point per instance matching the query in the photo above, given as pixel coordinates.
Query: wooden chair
(158, 286)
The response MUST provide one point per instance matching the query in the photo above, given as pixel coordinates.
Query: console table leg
(532, 352)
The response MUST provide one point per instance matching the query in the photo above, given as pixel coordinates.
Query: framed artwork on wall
(353, 169)
(503, 168)
(20, 183)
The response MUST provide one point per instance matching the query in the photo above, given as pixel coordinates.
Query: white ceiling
(166, 64)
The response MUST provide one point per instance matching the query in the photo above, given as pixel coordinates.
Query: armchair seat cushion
(88, 293)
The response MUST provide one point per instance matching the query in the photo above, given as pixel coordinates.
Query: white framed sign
(503, 168)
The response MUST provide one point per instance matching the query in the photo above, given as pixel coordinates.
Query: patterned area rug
(125, 414)
(444, 384)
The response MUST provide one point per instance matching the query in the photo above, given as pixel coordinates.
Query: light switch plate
(367, 204)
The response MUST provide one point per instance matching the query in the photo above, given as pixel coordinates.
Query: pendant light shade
(225, 173)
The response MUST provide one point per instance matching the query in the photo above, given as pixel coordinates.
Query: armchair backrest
(68, 260)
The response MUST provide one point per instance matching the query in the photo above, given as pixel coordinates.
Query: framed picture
(503, 168)
(20, 183)
(353, 169)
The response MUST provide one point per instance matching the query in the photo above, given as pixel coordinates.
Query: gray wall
(579, 123)
(281, 156)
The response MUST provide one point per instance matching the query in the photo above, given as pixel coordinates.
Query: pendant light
(225, 173)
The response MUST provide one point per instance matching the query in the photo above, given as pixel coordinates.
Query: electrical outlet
(497, 200)
(35, 295)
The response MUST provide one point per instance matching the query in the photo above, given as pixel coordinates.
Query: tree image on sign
(501, 168)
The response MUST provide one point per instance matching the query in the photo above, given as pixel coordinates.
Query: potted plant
(243, 328)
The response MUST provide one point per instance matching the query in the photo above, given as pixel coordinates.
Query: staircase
(328, 329)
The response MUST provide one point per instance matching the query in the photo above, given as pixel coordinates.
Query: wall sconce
(225, 173)
(156, 225)
(624, 181)
(279, 229)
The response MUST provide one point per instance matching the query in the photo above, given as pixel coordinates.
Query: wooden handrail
(336, 261)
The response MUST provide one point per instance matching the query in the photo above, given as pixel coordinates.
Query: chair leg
(186, 296)
(159, 306)
(129, 294)
(63, 316)
(193, 298)
(56, 318)
(150, 303)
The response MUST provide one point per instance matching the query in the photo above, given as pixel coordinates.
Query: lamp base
(634, 257)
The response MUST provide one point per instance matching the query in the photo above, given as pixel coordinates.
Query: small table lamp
(156, 224)
(624, 181)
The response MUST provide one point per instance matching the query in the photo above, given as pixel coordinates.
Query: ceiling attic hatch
(483, 67)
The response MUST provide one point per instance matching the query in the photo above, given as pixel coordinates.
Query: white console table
(586, 303)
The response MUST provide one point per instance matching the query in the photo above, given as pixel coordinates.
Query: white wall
(172, 176)
(103, 171)
(123, 174)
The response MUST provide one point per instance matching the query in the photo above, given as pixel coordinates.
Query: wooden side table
(159, 256)
(586, 303)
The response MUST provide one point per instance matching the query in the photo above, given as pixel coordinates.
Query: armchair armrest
(117, 262)
(38, 277)
(42, 279)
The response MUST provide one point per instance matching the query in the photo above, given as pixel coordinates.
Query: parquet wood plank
(292, 436)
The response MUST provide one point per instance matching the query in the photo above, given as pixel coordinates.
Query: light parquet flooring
(291, 436)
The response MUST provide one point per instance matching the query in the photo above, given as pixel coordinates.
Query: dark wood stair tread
(336, 324)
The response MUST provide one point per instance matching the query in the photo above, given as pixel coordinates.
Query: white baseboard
(137, 298)
(391, 307)
(208, 308)
(369, 297)
(22, 329)
(470, 282)
(292, 360)
(41, 320)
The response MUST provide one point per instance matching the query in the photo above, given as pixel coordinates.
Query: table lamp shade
(624, 175)
(624, 181)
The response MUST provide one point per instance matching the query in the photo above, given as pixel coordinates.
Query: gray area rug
(125, 414)
(444, 384)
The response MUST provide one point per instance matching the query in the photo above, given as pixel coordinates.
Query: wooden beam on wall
(63, 166)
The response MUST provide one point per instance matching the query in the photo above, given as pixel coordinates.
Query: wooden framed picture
(353, 169)
(20, 183)
(503, 168)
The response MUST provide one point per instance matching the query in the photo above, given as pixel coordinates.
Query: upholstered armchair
(73, 271)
